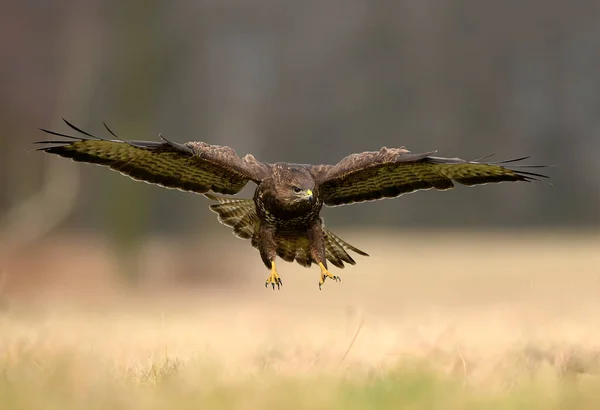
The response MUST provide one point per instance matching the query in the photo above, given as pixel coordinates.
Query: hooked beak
(309, 195)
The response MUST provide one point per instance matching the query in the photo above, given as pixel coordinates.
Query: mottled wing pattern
(193, 166)
(239, 214)
(392, 172)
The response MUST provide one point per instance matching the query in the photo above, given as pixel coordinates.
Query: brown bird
(282, 219)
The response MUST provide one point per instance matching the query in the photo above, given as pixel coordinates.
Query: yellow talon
(326, 274)
(274, 279)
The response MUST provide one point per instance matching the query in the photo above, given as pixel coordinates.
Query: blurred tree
(137, 62)
(312, 82)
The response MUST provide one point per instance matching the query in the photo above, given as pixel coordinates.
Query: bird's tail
(239, 214)
(335, 249)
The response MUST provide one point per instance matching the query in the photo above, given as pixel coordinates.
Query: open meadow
(123, 295)
(431, 320)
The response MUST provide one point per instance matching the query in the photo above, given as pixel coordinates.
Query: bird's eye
(296, 189)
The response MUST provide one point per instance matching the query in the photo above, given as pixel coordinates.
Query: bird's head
(301, 193)
(296, 187)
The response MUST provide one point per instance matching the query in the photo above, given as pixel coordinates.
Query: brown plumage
(282, 219)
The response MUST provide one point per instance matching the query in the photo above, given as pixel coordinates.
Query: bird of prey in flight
(282, 219)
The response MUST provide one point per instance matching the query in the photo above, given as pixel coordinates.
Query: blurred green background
(305, 82)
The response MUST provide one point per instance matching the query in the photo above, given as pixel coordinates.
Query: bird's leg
(274, 279)
(317, 250)
(266, 246)
(326, 274)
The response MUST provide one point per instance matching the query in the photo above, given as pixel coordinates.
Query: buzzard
(282, 219)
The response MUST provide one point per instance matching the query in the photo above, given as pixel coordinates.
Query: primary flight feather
(282, 219)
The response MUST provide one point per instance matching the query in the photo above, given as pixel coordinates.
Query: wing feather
(193, 166)
(392, 172)
(239, 214)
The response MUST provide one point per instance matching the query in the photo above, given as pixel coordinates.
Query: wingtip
(484, 157)
(177, 145)
(111, 131)
(68, 123)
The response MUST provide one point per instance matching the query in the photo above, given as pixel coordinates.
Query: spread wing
(193, 166)
(392, 172)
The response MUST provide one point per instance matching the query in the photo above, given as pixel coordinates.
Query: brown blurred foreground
(477, 293)
(550, 271)
(500, 310)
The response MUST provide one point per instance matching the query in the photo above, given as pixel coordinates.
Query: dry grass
(476, 321)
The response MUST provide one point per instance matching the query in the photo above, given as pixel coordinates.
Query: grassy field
(429, 321)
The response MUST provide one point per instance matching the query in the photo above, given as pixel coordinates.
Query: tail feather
(293, 248)
(335, 249)
(240, 214)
